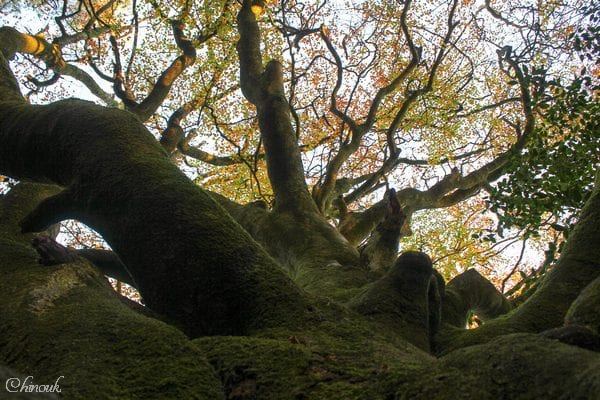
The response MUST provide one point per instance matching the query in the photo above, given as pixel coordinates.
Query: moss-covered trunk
(64, 320)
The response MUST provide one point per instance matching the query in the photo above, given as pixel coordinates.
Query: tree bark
(263, 87)
(117, 176)
(468, 292)
(65, 320)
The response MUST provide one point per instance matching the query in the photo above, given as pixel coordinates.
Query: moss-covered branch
(165, 81)
(400, 299)
(120, 182)
(468, 292)
(53, 253)
(579, 264)
(585, 310)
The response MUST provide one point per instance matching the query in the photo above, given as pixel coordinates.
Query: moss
(195, 264)
(65, 320)
(548, 306)
(343, 356)
(519, 366)
(263, 368)
(227, 284)
(301, 366)
(316, 257)
(527, 366)
(399, 300)
(106, 350)
(17, 204)
(585, 310)
(59, 284)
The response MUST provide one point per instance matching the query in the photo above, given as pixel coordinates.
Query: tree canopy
(255, 167)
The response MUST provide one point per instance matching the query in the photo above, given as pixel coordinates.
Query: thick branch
(173, 138)
(212, 159)
(16, 42)
(401, 298)
(264, 88)
(585, 310)
(173, 134)
(52, 253)
(162, 87)
(248, 49)
(579, 264)
(108, 263)
(356, 226)
(89, 82)
(147, 107)
(468, 292)
(121, 183)
(70, 317)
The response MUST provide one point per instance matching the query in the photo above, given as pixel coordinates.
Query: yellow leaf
(257, 10)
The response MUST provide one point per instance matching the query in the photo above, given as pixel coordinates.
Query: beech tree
(294, 287)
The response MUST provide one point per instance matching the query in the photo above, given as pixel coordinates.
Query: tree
(270, 299)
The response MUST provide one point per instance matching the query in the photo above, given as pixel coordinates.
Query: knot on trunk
(381, 249)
